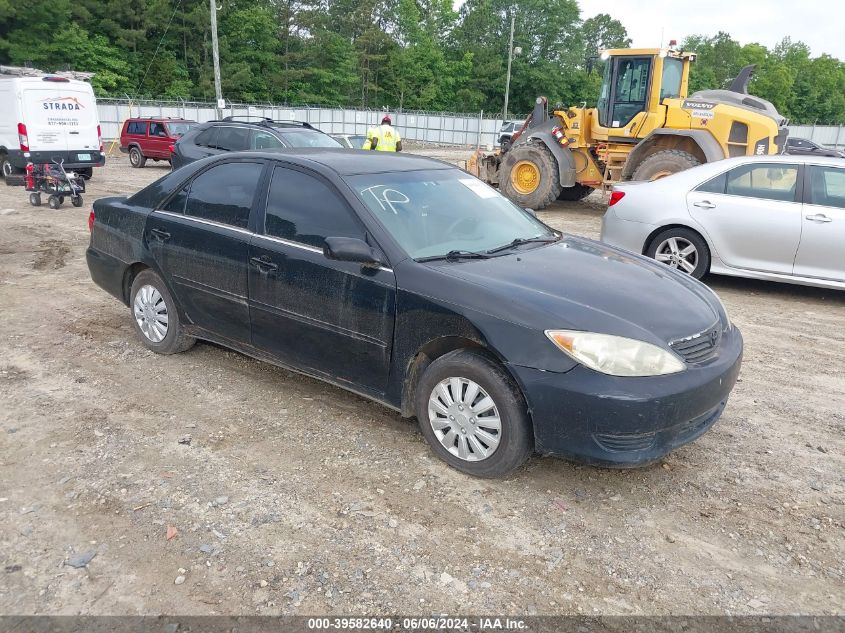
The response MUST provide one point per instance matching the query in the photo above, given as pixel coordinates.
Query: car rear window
(308, 138)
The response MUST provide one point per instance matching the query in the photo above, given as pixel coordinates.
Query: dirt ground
(294, 497)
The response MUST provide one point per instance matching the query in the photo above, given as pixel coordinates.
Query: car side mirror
(532, 212)
(350, 249)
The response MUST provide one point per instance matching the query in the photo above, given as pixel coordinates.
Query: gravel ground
(208, 482)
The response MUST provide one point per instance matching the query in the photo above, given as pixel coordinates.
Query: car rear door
(334, 318)
(752, 215)
(200, 238)
(821, 253)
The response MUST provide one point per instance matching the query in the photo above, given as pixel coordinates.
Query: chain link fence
(443, 128)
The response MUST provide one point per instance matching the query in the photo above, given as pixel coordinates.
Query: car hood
(585, 285)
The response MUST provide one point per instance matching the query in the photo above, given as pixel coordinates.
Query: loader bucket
(485, 166)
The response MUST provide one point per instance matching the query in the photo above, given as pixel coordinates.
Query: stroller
(52, 179)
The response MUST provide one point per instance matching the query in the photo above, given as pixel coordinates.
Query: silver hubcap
(679, 253)
(151, 313)
(465, 419)
(135, 156)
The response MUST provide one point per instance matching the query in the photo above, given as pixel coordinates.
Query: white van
(45, 119)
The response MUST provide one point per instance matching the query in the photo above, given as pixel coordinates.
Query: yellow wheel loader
(643, 127)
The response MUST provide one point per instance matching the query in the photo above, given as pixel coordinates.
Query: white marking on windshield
(387, 197)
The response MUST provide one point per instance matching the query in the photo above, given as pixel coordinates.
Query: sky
(818, 23)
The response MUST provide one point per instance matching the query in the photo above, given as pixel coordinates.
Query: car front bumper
(620, 422)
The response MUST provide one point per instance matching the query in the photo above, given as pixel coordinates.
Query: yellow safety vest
(371, 133)
(387, 138)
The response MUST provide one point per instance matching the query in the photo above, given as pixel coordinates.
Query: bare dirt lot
(297, 497)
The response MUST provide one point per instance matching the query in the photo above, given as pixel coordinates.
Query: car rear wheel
(682, 249)
(155, 316)
(473, 415)
(136, 158)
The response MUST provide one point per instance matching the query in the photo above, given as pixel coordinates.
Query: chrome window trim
(305, 247)
(203, 221)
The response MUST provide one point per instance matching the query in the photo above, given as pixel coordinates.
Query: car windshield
(434, 212)
(308, 138)
(358, 141)
(179, 129)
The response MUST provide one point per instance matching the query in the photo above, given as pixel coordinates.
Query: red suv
(153, 137)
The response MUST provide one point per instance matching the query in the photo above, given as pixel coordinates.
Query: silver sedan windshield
(434, 212)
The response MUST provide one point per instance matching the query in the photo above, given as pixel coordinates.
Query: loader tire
(664, 163)
(529, 176)
(575, 192)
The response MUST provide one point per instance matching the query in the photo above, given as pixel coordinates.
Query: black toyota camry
(409, 282)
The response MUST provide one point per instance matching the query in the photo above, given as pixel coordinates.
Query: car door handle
(160, 234)
(263, 264)
(704, 204)
(819, 217)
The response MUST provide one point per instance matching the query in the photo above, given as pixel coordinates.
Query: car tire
(664, 163)
(136, 158)
(13, 176)
(54, 202)
(575, 192)
(35, 199)
(471, 431)
(671, 247)
(529, 176)
(149, 300)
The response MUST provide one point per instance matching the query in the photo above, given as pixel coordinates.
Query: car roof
(160, 118)
(350, 162)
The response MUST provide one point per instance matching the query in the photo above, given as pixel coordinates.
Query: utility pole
(216, 55)
(508, 78)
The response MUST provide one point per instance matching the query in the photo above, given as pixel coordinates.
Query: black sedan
(409, 282)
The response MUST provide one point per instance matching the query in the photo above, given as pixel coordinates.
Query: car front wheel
(155, 316)
(682, 249)
(473, 415)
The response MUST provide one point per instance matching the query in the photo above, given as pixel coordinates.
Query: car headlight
(616, 355)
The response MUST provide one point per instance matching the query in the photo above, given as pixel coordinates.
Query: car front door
(334, 318)
(752, 215)
(158, 141)
(821, 253)
(200, 240)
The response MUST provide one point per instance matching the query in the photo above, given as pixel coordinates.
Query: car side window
(714, 185)
(207, 138)
(137, 127)
(157, 129)
(224, 193)
(303, 208)
(767, 181)
(233, 139)
(176, 203)
(259, 139)
(827, 186)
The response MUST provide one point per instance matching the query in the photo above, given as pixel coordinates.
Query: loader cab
(637, 81)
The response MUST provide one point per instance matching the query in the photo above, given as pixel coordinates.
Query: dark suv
(144, 138)
(805, 147)
(233, 134)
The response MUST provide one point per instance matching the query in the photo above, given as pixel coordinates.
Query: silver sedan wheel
(465, 419)
(150, 312)
(677, 252)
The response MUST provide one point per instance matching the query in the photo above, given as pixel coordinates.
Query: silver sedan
(780, 218)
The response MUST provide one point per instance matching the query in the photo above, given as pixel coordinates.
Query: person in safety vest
(384, 138)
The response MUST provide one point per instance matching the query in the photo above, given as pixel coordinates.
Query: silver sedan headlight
(616, 355)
